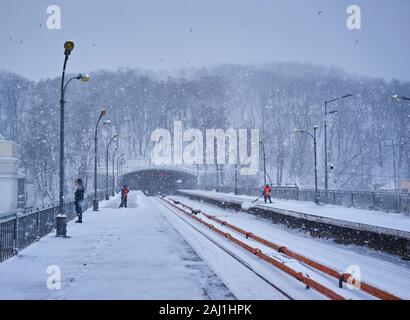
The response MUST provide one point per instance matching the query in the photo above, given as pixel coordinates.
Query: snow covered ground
(382, 270)
(149, 252)
(129, 253)
(388, 220)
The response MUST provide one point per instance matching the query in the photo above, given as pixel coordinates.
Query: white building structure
(9, 168)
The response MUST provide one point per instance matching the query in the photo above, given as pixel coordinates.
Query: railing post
(16, 235)
(399, 202)
(38, 225)
(1, 241)
(54, 215)
(408, 203)
(61, 226)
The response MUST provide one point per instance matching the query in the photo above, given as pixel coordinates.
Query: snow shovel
(256, 199)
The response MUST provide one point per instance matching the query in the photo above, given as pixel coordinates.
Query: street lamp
(397, 97)
(236, 171)
(107, 196)
(123, 161)
(107, 123)
(113, 171)
(394, 161)
(118, 166)
(313, 136)
(95, 201)
(68, 48)
(121, 166)
(81, 76)
(396, 189)
(264, 162)
(326, 155)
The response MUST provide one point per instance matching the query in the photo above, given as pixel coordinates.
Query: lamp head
(103, 112)
(333, 112)
(315, 127)
(68, 47)
(84, 77)
(347, 96)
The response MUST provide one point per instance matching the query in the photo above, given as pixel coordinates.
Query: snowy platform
(379, 230)
(116, 253)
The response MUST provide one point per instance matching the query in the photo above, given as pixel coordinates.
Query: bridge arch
(160, 180)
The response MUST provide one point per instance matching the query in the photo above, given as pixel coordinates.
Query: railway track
(225, 249)
(282, 257)
(280, 262)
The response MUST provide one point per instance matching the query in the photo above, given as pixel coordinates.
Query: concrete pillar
(9, 165)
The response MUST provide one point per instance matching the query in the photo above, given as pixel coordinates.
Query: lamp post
(394, 162)
(118, 166)
(197, 176)
(95, 201)
(205, 176)
(121, 166)
(396, 189)
(205, 173)
(313, 136)
(236, 171)
(68, 48)
(326, 155)
(216, 166)
(107, 195)
(264, 162)
(123, 161)
(113, 171)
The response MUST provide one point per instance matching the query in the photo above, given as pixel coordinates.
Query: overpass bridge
(140, 174)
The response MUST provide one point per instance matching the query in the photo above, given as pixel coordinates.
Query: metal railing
(20, 229)
(377, 201)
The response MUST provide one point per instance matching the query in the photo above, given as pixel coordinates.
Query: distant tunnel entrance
(154, 181)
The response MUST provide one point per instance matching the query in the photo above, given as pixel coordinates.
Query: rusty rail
(341, 277)
(257, 252)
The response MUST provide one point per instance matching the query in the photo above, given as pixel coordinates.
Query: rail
(341, 277)
(310, 283)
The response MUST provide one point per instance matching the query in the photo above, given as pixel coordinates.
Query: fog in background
(212, 64)
(170, 34)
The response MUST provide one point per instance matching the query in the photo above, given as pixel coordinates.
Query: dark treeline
(277, 98)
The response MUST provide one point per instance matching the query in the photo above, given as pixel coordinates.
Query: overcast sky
(169, 34)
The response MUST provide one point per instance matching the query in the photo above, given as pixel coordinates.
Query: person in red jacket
(267, 193)
(124, 196)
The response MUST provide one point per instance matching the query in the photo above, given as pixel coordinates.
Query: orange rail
(341, 277)
(257, 252)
